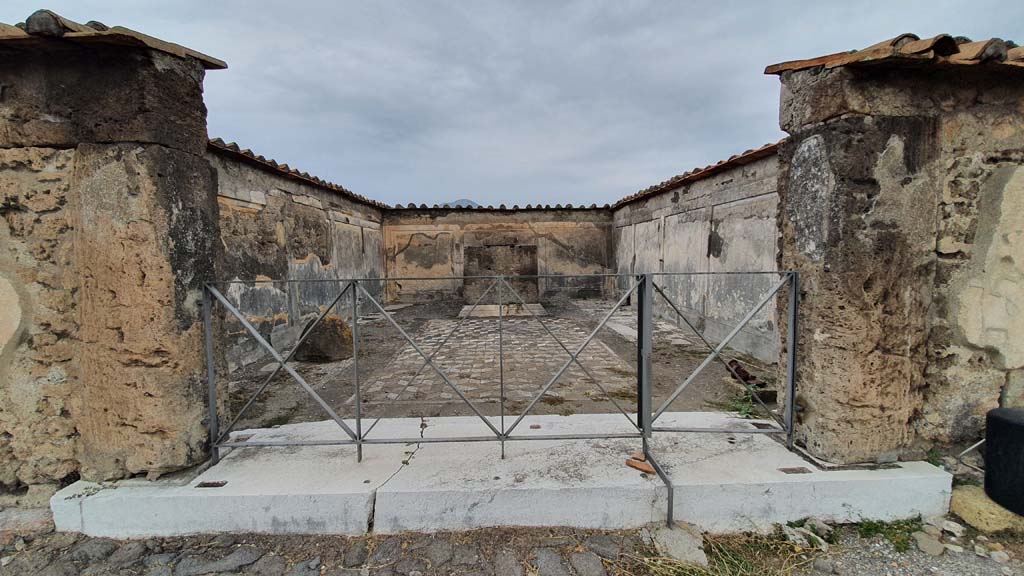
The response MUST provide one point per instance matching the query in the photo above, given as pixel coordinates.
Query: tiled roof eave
(681, 180)
(232, 150)
(905, 50)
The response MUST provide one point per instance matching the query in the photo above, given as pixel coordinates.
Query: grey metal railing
(644, 286)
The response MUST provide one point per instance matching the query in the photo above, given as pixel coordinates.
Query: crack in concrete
(405, 462)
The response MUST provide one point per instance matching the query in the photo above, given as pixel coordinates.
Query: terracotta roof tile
(701, 173)
(940, 50)
(232, 150)
(993, 49)
(43, 26)
(218, 146)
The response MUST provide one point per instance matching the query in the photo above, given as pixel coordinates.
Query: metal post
(355, 371)
(669, 488)
(791, 345)
(501, 367)
(644, 347)
(211, 377)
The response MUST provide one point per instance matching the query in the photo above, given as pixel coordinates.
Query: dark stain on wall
(715, 241)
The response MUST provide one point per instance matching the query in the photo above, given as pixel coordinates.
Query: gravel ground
(873, 556)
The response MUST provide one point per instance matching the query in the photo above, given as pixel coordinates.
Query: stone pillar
(108, 228)
(884, 211)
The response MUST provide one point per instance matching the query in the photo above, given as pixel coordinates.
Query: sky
(513, 102)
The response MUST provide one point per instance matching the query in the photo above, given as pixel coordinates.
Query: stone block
(974, 507)
(61, 100)
(330, 340)
(15, 522)
(1013, 392)
(145, 242)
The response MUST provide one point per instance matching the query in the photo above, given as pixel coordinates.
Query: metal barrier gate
(644, 286)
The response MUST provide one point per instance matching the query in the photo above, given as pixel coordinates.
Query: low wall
(722, 221)
(435, 243)
(280, 225)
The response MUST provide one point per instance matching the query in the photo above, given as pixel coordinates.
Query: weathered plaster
(725, 223)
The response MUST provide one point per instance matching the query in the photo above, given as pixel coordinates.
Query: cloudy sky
(511, 102)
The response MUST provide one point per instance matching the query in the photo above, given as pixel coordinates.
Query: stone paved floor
(388, 364)
(470, 359)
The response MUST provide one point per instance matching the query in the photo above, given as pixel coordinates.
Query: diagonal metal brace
(431, 363)
(572, 358)
(567, 351)
(749, 388)
(295, 375)
(277, 369)
(718, 349)
(436, 350)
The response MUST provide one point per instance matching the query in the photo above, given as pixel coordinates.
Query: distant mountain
(461, 203)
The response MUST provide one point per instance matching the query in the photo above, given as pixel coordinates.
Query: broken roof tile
(942, 44)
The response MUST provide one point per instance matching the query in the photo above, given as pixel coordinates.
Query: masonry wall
(107, 233)
(436, 243)
(902, 193)
(278, 227)
(724, 223)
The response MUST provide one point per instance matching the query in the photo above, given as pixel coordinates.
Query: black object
(1004, 458)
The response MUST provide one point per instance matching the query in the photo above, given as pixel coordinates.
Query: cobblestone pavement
(531, 357)
(388, 364)
(489, 552)
(496, 552)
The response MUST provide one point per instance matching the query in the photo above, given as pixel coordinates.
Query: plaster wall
(724, 223)
(433, 244)
(274, 228)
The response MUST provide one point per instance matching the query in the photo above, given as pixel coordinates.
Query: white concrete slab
(279, 490)
(725, 486)
(722, 483)
(582, 483)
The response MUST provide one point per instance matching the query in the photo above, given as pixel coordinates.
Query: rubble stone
(972, 505)
(329, 341)
(928, 544)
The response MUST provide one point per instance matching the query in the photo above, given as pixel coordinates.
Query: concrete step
(722, 483)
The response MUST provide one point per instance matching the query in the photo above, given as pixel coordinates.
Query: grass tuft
(742, 404)
(731, 555)
(898, 532)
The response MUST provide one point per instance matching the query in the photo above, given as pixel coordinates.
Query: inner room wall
(719, 219)
(446, 242)
(279, 224)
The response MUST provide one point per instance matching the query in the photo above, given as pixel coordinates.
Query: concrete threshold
(723, 483)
